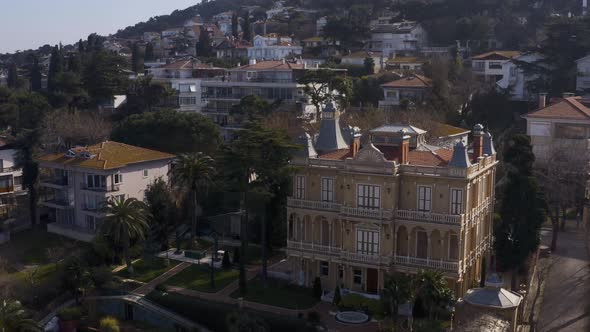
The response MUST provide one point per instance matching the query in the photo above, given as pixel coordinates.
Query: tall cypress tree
(56, 67)
(35, 76)
(522, 208)
(136, 59)
(74, 63)
(234, 25)
(81, 46)
(12, 79)
(149, 52)
(204, 44)
(246, 27)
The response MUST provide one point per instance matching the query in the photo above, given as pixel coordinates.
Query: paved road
(566, 301)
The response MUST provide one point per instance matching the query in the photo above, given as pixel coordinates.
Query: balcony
(72, 231)
(58, 203)
(367, 213)
(106, 189)
(364, 258)
(437, 218)
(55, 182)
(436, 264)
(313, 205)
(6, 190)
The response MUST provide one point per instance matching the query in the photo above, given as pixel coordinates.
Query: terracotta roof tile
(440, 157)
(496, 55)
(444, 130)
(571, 108)
(414, 81)
(108, 155)
(336, 155)
(266, 65)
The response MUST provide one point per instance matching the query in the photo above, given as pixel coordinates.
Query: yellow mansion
(394, 203)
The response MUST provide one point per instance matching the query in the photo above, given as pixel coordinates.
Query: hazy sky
(26, 24)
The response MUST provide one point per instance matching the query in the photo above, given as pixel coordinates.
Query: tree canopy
(169, 131)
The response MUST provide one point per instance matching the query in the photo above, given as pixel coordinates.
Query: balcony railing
(106, 189)
(311, 247)
(55, 181)
(60, 203)
(7, 189)
(314, 205)
(364, 258)
(367, 213)
(437, 218)
(437, 264)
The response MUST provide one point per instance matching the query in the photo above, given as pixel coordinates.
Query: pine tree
(317, 288)
(234, 25)
(137, 59)
(12, 79)
(81, 46)
(337, 296)
(236, 255)
(35, 76)
(246, 27)
(149, 52)
(56, 67)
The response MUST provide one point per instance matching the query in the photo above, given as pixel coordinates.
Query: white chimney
(252, 62)
(542, 100)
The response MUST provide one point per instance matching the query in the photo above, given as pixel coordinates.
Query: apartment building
(273, 47)
(390, 38)
(583, 77)
(270, 80)
(14, 211)
(519, 81)
(488, 67)
(77, 182)
(361, 211)
(561, 127)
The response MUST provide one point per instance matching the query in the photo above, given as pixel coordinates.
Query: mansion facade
(361, 211)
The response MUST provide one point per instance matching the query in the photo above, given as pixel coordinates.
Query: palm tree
(191, 173)
(431, 287)
(126, 220)
(13, 317)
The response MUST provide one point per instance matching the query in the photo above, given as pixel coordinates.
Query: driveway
(566, 301)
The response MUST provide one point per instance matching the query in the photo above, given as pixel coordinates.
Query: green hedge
(359, 302)
(194, 254)
(213, 315)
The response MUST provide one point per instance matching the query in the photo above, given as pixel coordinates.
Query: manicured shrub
(317, 288)
(337, 296)
(225, 263)
(69, 314)
(236, 255)
(109, 324)
(101, 276)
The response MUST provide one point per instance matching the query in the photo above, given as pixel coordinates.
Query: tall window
(424, 199)
(357, 277)
(90, 223)
(367, 242)
(118, 178)
(300, 187)
(324, 268)
(456, 201)
(327, 189)
(368, 197)
(96, 181)
(453, 246)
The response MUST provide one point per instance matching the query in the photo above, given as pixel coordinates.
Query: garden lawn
(198, 278)
(279, 293)
(146, 270)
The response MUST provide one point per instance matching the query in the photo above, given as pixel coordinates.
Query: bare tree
(65, 129)
(560, 180)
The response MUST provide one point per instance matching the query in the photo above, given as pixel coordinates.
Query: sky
(28, 24)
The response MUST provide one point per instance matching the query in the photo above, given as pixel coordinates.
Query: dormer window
(71, 154)
(118, 178)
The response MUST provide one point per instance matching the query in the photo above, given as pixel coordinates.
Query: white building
(414, 88)
(358, 59)
(320, 23)
(14, 211)
(189, 94)
(270, 80)
(398, 37)
(273, 47)
(583, 78)
(518, 80)
(488, 66)
(80, 180)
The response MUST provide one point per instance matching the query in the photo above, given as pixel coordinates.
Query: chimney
(477, 141)
(355, 143)
(567, 95)
(252, 61)
(542, 100)
(404, 147)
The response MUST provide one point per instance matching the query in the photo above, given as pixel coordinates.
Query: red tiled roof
(497, 55)
(184, 64)
(571, 108)
(440, 157)
(336, 155)
(414, 81)
(265, 65)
